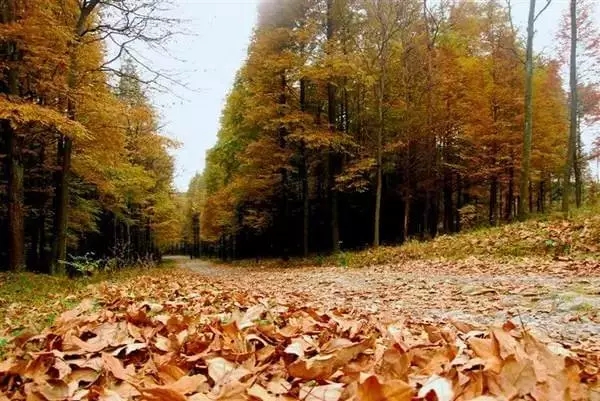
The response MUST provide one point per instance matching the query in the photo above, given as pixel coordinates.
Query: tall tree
(131, 21)
(572, 143)
(528, 131)
(12, 139)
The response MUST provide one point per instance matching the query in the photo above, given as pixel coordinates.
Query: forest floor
(558, 300)
(197, 331)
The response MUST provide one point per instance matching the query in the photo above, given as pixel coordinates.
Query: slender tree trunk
(41, 251)
(459, 203)
(332, 159)
(405, 227)
(283, 237)
(61, 218)
(304, 166)
(61, 206)
(571, 148)
(448, 204)
(426, 232)
(14, 163)
(305, 206)
(379, 159)
(578, 166)
(510, 199)
(541, 196)
(528, 133)
(16, 218)
(494, 201)
(530, 192)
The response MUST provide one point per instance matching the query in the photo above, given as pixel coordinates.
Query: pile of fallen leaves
(175, 339)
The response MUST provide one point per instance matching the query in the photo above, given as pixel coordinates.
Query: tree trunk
(332, 159)
(14, 164)
(426, 231)
(65, 149)
(304, 166)
(379, 159)
(405, 229)
(541, 196)
(448, 204)
(61, 206)
(510, 199)
(572, 112)
(305, 206)
(459, 203)
(494, 201)
(530, 192)
(16, 219)
(578, 166)
(283, 237)
(528, 133)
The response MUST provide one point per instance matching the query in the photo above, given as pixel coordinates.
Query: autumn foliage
(84, 166)
(361, 122)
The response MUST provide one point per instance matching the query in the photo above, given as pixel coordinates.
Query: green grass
(34, 301)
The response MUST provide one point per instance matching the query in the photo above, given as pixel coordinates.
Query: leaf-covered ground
(215, 333)
(557, 299)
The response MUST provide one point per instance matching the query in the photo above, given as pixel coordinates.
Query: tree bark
(572, 144)
(379, 161)
(510, 198)
(528, 132)
(494, 201)
(406, 220)
(578, 166)
(331, 157)
(304, 165)
(14, 162)
(16, 219)
(448, 204)
(61, 206)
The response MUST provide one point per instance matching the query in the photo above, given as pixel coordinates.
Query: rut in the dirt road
(549, 303)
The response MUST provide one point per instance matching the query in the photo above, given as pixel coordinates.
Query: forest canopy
(85, 169)
(359, 122)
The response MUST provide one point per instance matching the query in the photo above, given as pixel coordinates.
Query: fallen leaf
(441, 387)
(329, 392)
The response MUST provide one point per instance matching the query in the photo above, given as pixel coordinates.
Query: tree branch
(542, 10)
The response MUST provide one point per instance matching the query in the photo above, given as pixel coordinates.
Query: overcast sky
(208, 60)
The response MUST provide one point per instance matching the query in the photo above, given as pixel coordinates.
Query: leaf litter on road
(182, 337)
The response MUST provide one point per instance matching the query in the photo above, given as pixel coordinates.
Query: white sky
(208, 60)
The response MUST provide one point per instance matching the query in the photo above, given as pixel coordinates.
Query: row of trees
(83, 167)
(358, 122)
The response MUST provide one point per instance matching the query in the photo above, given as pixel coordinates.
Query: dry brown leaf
(54, 391)
(115, 367)
(162, 394)
(487, 350)
(323, 366)
(329, 392)
(188, 384)
(439, 386)
(371, 389)
(258, 391)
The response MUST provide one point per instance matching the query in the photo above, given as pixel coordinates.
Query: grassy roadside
(33, 301)
(547, 237)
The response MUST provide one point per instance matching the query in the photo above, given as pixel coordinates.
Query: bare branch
(514, 31)
(542, 10)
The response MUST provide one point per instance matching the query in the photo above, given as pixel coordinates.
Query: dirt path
(559, 301)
